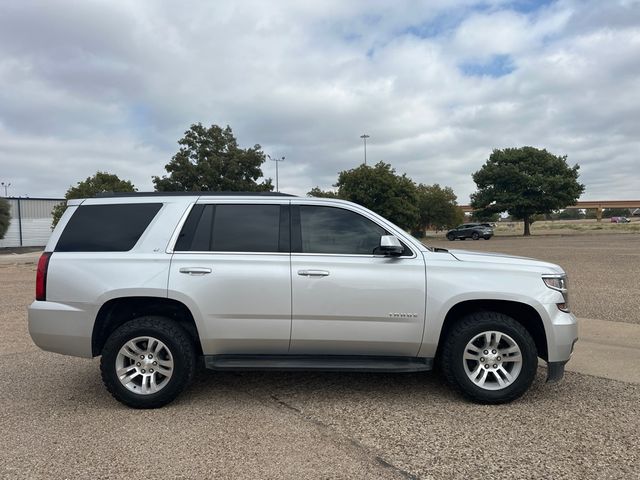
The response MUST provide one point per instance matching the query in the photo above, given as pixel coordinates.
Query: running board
(326, 363)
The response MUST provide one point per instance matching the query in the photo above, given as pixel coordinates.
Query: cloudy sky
(437, 84)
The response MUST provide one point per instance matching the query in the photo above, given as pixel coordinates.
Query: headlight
(559, 283)
(556, 282)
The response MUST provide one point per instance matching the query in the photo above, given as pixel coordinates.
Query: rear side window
(106, 228)
(235, 228)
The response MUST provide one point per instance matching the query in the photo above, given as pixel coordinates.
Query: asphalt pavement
(58, 421)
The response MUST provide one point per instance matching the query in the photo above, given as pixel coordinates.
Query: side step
(327, 363)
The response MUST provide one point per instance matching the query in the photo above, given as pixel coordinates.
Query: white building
(30, 222)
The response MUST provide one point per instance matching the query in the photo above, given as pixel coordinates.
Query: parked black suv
(471, 230)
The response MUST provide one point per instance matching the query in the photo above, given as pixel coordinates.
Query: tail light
(41, 276)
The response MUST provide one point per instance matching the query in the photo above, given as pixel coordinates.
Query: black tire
(451, 237)
(177, 341)
(453, 349)
(475, 235)
(487, 238)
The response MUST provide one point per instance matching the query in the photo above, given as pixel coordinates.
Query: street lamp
(6, 187)
(277, 160)
(364, 137)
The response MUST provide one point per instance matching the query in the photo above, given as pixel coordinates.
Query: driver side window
(337, 231)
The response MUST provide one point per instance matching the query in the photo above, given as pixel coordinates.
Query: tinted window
(235, 228)
(334, 230)
(106, 228)
(196, 232)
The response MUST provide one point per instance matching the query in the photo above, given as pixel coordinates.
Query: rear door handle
(313, 273)
(195, 270)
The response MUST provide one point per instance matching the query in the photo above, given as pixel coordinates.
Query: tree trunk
(527, 226)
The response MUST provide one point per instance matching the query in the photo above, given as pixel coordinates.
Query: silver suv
(154, 282)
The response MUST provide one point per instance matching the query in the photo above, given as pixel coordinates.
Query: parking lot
(57, 421)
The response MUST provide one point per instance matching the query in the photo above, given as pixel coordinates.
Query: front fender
(451, 282)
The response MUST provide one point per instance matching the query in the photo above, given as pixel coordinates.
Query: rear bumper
(61, 328)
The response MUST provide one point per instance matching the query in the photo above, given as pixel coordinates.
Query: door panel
(363, 306)
(346, 300)
(232, 267)
(244, 302)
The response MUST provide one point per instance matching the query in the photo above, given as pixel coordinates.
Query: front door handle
(313, 273)
(195, 270)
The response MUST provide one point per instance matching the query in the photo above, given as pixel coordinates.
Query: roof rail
(191, 194)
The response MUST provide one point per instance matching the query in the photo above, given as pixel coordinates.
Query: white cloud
(112, 86)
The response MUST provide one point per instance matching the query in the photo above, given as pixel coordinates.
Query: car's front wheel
(489, 357)
(451, 237)
(147, 362)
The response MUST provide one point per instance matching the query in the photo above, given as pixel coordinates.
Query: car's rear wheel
(475, 235)
(451, 237)
(147, 362)
(489, 358)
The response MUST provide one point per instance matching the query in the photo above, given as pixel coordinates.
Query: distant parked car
(620, 220)
(471, 230)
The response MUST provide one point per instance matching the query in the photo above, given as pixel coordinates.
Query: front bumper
(555, 371)
(562, 335)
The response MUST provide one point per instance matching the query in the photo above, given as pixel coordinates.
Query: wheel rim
(492, 360)
(144, 365)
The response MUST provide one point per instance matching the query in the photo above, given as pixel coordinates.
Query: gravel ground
(603, 269)
(57, 421)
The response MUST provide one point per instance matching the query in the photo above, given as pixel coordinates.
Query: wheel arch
(118, 311)
(524, 314)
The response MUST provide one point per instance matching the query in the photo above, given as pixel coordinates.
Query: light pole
(277, 160)
(6, 187)
(364, 137)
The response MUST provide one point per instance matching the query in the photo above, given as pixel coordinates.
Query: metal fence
(30, 222)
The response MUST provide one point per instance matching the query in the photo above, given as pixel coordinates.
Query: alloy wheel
(144, 365)
(492, 360)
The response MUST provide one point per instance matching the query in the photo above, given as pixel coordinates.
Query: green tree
(5, 217)
(590, 213)
(209, 159)
(484, 217)
(524, 182)
(438, 208)
(101, 182)
(615, 212)
(380, 189)
(317, 192)
(570, 214)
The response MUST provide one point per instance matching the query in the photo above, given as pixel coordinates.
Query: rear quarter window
(106, 228)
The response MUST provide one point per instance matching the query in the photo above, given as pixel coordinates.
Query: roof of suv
(191, 194)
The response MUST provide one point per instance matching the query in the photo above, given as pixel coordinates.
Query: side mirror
(390, 245)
